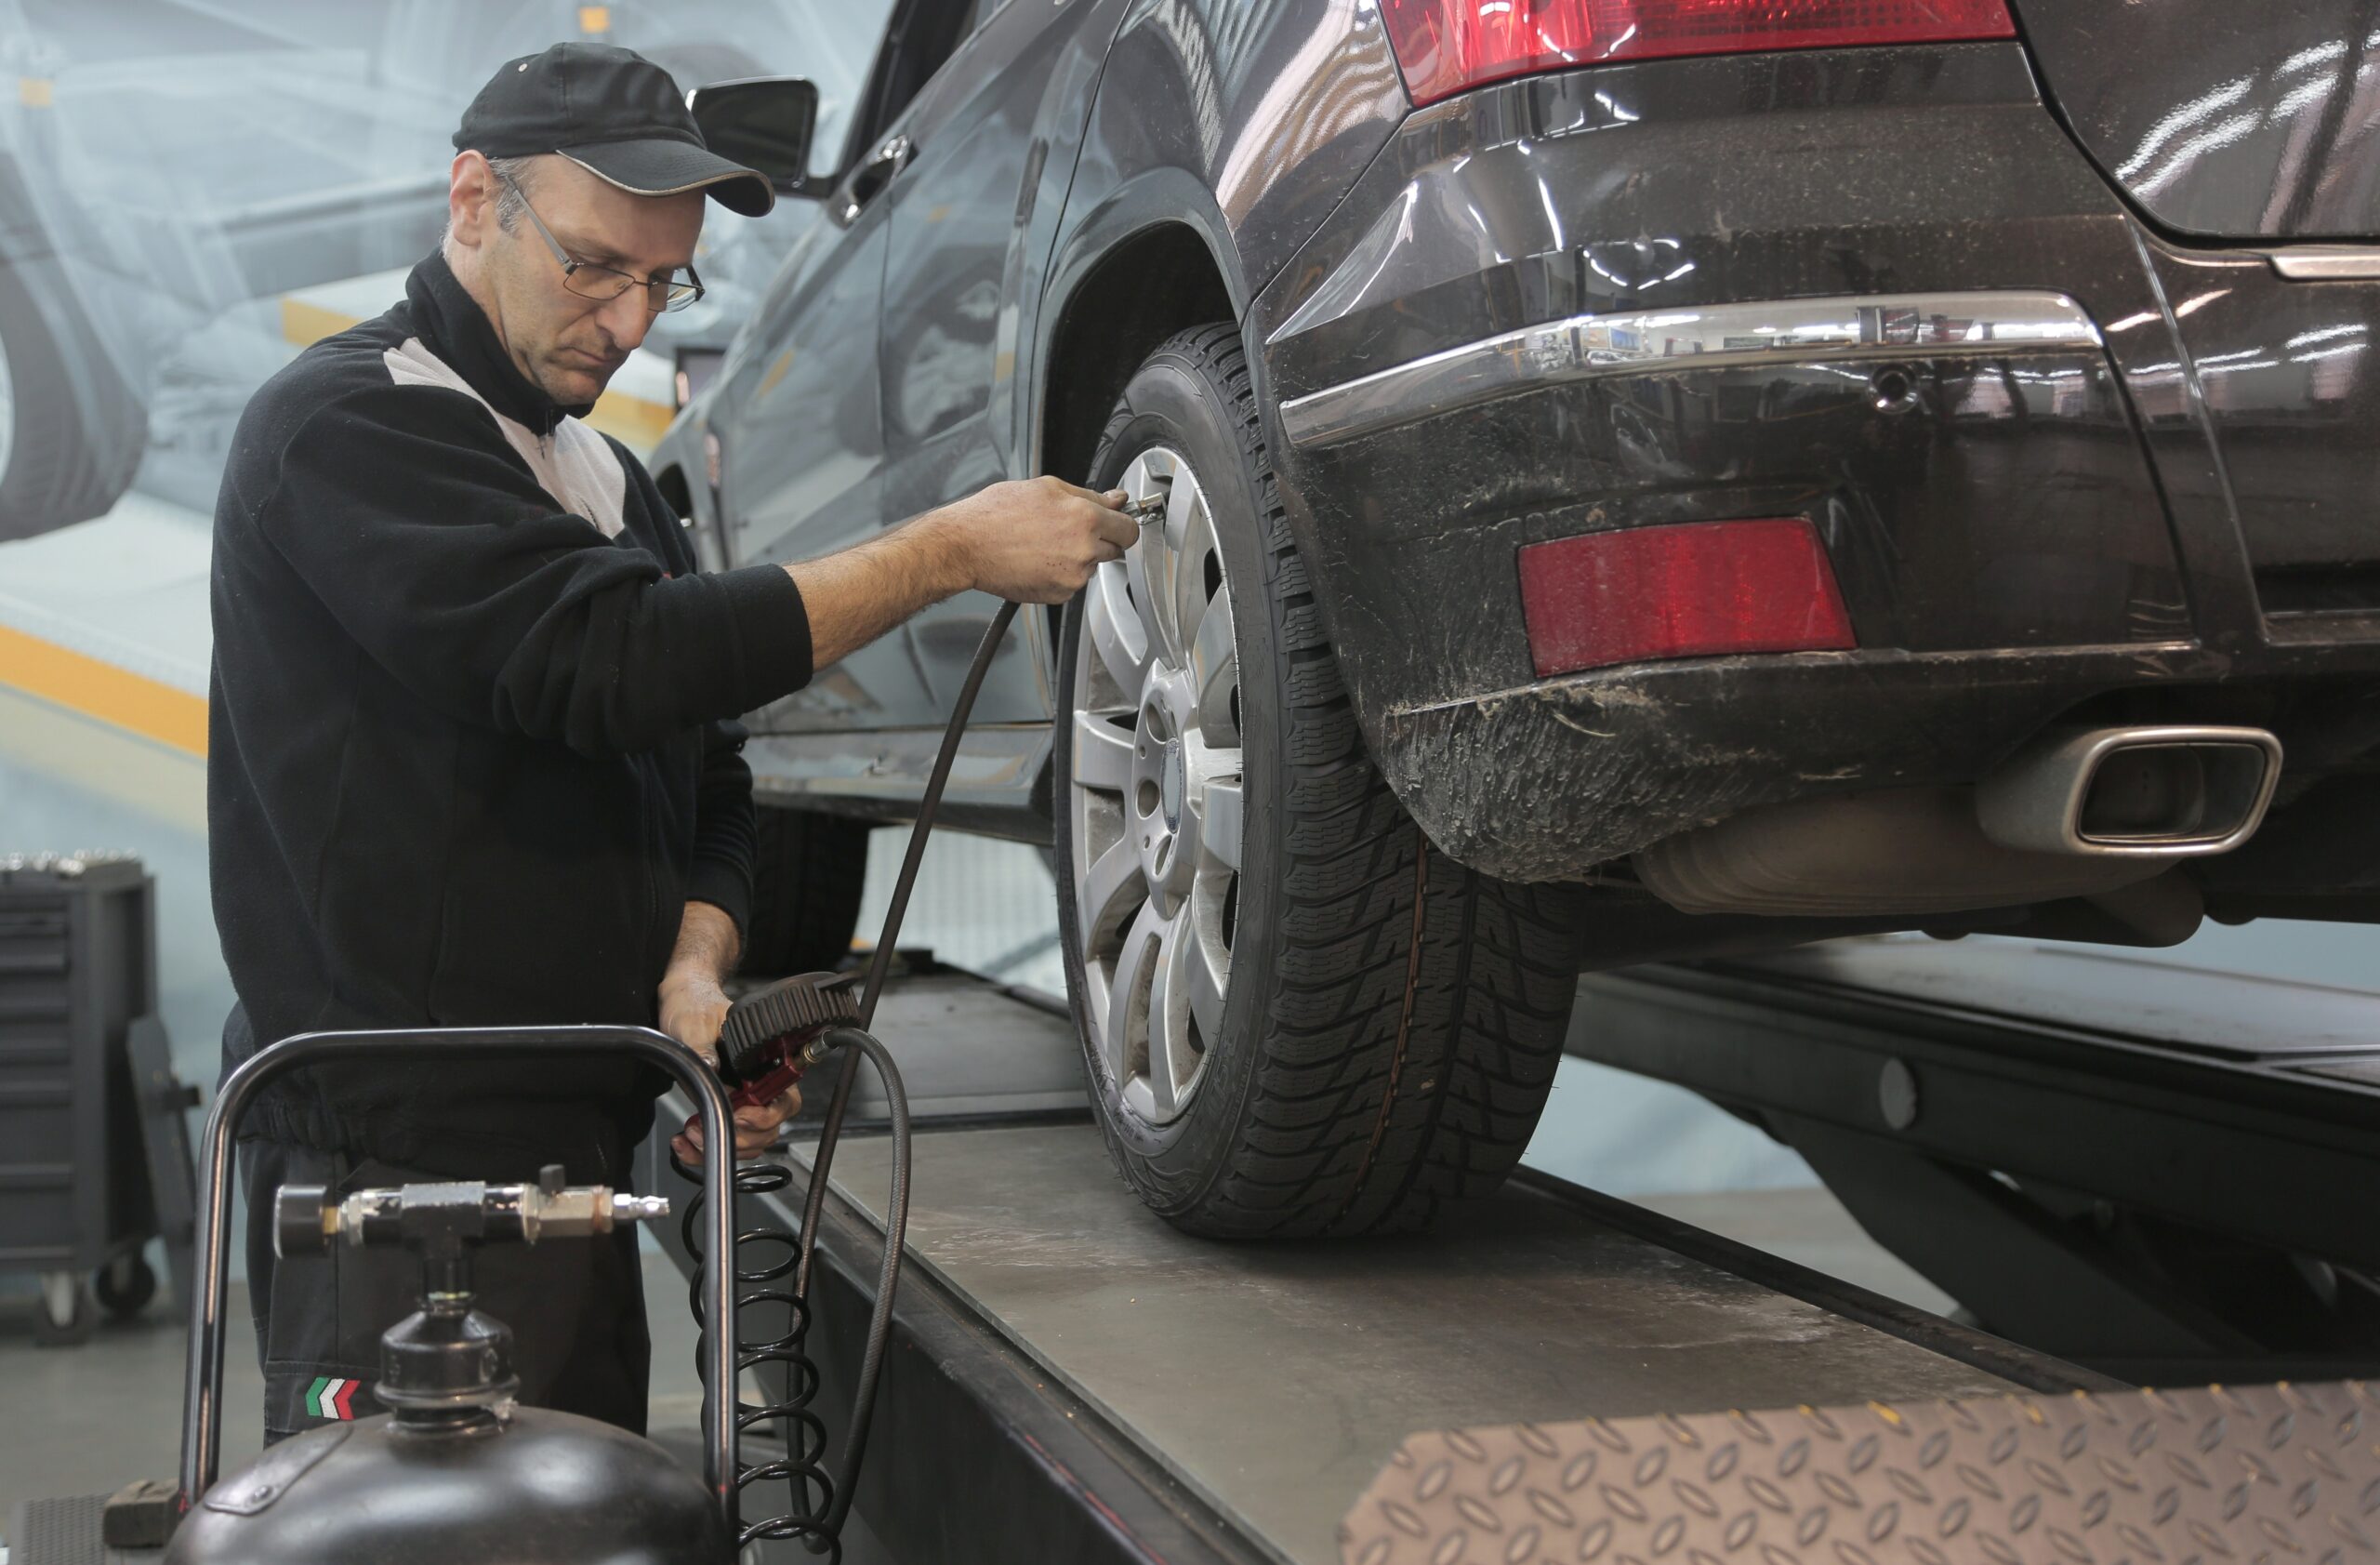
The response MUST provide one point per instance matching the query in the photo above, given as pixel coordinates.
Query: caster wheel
(67, 1314)
(124, 1288)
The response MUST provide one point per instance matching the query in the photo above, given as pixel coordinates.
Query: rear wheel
(71, 432)
(808, 872)
(1298, 1017)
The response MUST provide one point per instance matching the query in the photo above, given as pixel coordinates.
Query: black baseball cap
(613, 113)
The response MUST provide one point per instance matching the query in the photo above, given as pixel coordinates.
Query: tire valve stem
(1149, 510)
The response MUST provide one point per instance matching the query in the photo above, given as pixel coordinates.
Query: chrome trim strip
(1712, 336)
(2328, 263)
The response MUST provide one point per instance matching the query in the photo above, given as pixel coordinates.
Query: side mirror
(764, 123)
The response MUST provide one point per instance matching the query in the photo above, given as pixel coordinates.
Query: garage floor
(88, 1420)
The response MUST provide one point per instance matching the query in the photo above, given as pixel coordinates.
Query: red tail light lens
(1445, 46)
(1696, 590)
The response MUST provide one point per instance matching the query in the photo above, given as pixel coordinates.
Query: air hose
(769, 1039)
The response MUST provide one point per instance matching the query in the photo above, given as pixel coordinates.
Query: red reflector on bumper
(1444, 47)
(1695, 589)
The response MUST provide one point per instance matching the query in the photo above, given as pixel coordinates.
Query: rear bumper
(1554, 307)
(1552, 778)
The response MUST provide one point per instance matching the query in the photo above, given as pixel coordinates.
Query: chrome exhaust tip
(2163, 792)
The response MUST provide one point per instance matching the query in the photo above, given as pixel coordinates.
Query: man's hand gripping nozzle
(1147, 509)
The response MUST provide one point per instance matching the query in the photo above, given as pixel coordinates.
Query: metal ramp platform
(1073, 1379)
(1269, 1384)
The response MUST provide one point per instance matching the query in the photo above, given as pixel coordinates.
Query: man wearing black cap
(473, 750)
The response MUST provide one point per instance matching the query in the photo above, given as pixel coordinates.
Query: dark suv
(1644, 478)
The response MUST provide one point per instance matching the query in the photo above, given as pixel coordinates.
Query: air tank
(456, 1473)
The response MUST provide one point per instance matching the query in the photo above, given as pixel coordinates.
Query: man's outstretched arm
(1035, 540)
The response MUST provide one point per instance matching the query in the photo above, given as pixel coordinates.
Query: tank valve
(306, 1220)
(447, 1366)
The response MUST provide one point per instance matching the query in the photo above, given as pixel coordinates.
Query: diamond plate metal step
(2280, 1473)
(69, 1531)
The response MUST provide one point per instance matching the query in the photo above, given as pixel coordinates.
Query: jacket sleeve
(726, 828)
(451, 566)
(726, 820)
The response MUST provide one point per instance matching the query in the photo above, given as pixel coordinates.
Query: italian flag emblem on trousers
(330, 1397)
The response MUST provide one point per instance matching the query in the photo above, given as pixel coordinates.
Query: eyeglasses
(590, 281)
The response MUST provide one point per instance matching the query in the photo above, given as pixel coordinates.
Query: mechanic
(473, 751)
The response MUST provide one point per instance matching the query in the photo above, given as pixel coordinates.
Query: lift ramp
(1071, 1378)
(2170, 1174)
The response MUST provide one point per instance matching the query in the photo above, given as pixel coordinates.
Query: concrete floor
(87, 1420)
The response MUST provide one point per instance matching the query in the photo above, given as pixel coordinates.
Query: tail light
(1692, 590)
(1447, 46)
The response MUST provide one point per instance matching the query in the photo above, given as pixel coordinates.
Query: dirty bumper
(1548, 780)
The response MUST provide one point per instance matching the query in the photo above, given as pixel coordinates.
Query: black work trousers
(576, 1306)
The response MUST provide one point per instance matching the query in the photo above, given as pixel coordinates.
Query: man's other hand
(756, 1129)
(1036, 539)
(692, 1009)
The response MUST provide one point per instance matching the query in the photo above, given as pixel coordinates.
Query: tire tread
(1341, 1130)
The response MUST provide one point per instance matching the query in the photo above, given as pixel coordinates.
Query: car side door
(802, 459)
(984, 134)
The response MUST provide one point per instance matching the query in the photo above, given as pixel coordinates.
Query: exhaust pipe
(2167, 793)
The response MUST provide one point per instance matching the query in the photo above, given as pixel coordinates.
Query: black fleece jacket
(471, 743)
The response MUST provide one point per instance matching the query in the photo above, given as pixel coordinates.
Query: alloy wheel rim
(1155, 796)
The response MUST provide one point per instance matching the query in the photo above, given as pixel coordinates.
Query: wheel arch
(1119, 300)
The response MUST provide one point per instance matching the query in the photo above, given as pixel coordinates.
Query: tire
(808, 872)
(71, 432)
(1389, 1022)
(126, 1288)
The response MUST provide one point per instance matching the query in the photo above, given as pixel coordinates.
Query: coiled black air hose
(821, 1504)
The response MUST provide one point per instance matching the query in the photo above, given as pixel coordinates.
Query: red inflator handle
(766, 1042)
(774, 1080)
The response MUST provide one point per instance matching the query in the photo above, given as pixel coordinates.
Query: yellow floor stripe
(305, 324)
(115, 696)
(631, 420)
(103, 762)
